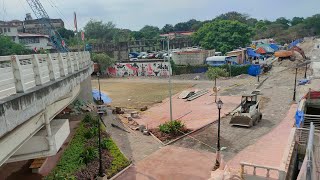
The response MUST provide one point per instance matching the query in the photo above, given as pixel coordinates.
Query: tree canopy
(223, 35)
(8, 47)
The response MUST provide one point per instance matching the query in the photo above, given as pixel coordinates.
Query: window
(30, 40)
(9, 30)
(1, 31)
(5, 30)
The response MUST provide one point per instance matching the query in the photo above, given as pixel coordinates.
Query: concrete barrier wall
(20, 106)
(191, 57)
(155, 68)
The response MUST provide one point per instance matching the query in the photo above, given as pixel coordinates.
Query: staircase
(311, 118)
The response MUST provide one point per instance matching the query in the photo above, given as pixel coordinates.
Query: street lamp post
(218, 158)
(295, 85)
(170, 85)
(100, 112)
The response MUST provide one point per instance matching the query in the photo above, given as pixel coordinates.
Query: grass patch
(119, 161)
(70, 161)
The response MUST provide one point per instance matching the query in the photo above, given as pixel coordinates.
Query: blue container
(254, 70)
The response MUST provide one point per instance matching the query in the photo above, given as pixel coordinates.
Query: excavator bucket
(241, 121)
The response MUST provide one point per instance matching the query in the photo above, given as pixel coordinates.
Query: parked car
(134, 59)
(142, 55)
(134, 55)
(151, 56)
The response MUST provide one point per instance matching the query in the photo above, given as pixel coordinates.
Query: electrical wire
(22, 5)
(62, 16)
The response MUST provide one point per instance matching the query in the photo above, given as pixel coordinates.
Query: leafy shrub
(215, 72)
(236, 70)
(171, 127)
(89, 154)
(88, 118)
(91, 132)
(70, 161)
(106, 143)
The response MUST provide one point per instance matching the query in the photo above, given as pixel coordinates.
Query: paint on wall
(139, 69)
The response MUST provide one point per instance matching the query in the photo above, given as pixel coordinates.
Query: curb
(121, 172)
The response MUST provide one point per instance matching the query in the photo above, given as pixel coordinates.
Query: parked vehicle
(151, 56)
(134, 59)
(134, 55)
(142, 55)
(217, 60)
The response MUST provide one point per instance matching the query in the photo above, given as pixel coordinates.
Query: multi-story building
(34, 26)
(35, 41)
(10, 31)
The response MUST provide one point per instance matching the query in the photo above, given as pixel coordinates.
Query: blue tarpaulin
(252, 53)
(294, 43)
(96, 95)
(254, 70)
(299, 118)
(274, 46)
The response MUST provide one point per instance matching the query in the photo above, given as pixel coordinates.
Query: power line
(62, 16)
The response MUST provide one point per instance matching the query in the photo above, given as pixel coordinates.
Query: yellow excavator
(289, 54)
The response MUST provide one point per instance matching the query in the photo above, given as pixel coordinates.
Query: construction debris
(186, 94)
(144, 108)
(78, 107)
(198, 94)
(115, 126)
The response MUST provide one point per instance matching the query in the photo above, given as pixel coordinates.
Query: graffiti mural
(139, 69)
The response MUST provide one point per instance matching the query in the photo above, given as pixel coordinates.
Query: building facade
(10, 31)
(35, 41)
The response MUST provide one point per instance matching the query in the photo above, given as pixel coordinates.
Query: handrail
(255, 166)
(20, 73)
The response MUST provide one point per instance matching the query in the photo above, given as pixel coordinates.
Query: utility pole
(170, 86)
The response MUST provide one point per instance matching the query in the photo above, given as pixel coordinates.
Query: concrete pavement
(172, 163)
(269, 149)
(200, 112)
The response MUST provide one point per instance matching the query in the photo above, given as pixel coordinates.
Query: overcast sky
(134, 14)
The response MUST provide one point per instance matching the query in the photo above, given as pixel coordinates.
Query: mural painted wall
(139, 69)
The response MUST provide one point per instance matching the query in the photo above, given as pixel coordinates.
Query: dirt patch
(134, 95)
(263, 101)
(165, 138)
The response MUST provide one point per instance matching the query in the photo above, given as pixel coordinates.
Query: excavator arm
(299, 50)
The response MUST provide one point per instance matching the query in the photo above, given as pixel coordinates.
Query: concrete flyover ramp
(33, 90)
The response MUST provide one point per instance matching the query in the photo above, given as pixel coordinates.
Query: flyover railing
(20, 73)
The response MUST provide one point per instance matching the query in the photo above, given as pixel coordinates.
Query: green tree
(150, 32)
(233, 16)
(8, 47)
(99, 30)
(213, 74)
(223, 35)
(167, 28)
(66, 33)
(122, 35)
(296, 20)
(103, 60)
(283, 21)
